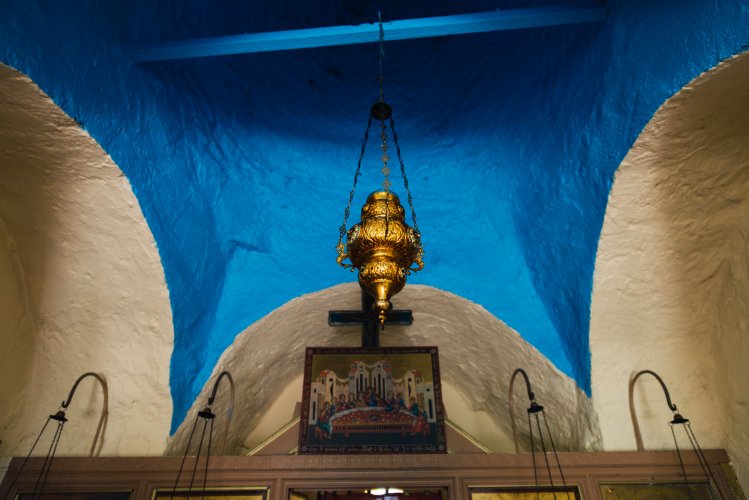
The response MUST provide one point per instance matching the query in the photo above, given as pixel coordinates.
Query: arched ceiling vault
(81, 286)
(479, 370)
(672, 274)
(242, 164)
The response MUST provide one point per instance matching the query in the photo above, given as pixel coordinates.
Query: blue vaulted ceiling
(242, 164)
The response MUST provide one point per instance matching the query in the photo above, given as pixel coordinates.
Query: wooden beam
(367, 33)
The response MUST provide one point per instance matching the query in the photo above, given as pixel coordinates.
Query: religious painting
(372, 400)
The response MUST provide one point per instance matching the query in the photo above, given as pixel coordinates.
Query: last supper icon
(363, 400)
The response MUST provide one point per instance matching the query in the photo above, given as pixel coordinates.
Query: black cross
(370, 323)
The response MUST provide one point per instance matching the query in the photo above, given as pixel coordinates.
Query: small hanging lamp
(207, 415)
(679, 420)
(535, 410)
(61, 418)
(382, 247)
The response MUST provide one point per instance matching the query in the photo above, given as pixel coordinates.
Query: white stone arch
(478, 354)
(671, 281)
(81, 285)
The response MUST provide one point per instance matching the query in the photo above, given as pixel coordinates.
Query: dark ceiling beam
(366, 33)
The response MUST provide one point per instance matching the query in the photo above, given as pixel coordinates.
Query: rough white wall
(81, 287)
(672, 272)
(478, 354)
(16, 328)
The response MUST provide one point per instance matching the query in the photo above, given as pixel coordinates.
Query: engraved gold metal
(383, 248)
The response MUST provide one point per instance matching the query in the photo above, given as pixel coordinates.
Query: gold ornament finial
(383, 248)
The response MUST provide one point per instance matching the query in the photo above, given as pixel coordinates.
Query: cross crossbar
(370, 324)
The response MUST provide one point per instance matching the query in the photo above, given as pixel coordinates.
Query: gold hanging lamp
(382, 247)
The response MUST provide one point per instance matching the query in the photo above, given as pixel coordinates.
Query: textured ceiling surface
(261, 363)
(242, 164)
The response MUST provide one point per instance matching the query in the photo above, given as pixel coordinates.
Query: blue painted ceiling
(243, 164)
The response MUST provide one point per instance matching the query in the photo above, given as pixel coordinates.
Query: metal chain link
(382, 53)
(386, 184)
(347, 212)
(403, 173)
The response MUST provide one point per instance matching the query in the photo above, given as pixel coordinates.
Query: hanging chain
(207, 455)
(383, 130)
(341, 248)
(533, 456)
(197, 457)
(382, 54)
(701, 458)
(556, 456)
(545, 453)
(184, 458)
(41, 480)
(385, 157)
(23, 464)
(681, 463)
(403, 173)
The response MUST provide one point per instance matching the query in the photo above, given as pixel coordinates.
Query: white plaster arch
(478, 354)
(672, 272)
(81, 287)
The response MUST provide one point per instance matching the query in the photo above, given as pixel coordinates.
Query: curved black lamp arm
(635, 424)
(104, 409)
(231, 404)
(531, 397)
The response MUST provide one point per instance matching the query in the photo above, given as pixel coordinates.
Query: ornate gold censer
(382, 247)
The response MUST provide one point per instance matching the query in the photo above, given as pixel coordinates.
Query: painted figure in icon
(324, 429)
(421, 426)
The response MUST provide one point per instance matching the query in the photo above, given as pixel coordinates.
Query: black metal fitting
(381, 111)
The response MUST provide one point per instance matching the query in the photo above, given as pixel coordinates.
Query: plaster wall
(81, 287)
(672, 274)
(16, 328)
(478, 354)
(84, 282)
(228, 155)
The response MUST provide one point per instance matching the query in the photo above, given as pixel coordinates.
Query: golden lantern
(382, 247)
